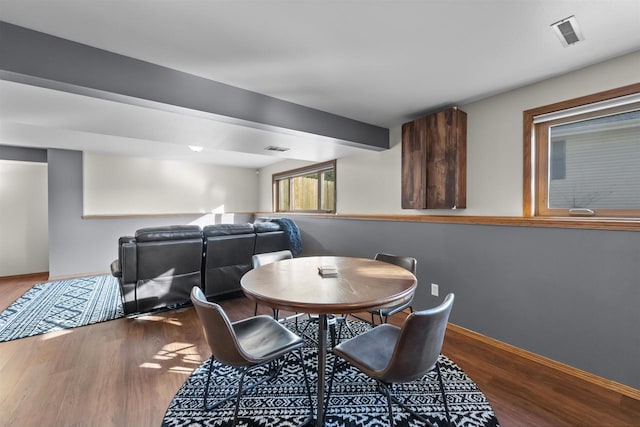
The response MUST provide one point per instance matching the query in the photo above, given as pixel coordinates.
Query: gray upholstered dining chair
(406, 262)
(246, 344)
(392, 355)
(259, 260)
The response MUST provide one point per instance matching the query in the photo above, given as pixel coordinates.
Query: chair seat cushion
(370, 352)
(262, 338)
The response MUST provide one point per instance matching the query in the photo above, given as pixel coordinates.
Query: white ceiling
(380, 62)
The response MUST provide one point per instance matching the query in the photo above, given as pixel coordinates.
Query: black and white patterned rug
(354, 399)
(54, 306)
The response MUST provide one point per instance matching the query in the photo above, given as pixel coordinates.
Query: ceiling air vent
(274, 148)
(568, 31)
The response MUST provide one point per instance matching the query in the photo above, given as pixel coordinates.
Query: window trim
(533, 163)
(305, 170)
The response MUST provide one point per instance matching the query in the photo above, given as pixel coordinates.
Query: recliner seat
(159, 267)
(227, 256)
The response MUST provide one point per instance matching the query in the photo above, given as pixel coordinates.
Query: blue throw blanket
(293, 234)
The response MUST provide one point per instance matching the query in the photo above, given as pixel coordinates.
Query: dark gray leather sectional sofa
(158, 266)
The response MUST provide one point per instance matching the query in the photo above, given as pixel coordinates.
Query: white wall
(494, 143)
(369, 183)
(128, 185)
(24, 242)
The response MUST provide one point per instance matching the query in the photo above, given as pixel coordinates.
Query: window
(582, 157)
(558, 159)
(308, 189)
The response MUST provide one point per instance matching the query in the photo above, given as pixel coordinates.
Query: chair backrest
(259, 260)
(218, 330)
(419, 344)
(406, 262)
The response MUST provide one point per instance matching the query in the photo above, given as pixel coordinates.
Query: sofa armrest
(125, 239)
(129, 263)
(115, 269)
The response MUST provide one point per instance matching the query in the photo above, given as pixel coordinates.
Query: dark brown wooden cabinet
(434, 161)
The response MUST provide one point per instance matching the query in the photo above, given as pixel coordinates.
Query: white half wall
(369, 183)
(131, 185)
(80, 246)
(24, 242)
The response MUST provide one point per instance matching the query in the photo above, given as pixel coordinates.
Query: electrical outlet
(435, 290)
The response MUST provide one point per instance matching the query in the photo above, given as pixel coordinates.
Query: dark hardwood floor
(125, 372)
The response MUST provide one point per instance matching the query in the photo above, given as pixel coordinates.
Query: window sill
(628, 224)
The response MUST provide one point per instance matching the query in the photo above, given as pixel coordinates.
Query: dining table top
(359, 285)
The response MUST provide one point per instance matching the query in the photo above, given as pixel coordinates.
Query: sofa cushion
(227, 229)
(171, 232)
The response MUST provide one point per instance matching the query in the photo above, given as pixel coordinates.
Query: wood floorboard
(126, 371)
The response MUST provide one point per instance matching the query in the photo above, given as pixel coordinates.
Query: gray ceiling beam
(32, 57)
(23, 154)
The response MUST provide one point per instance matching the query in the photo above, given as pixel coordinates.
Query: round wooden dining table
(360, 284)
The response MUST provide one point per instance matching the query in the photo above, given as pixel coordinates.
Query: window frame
(536, 159)
(317, 168)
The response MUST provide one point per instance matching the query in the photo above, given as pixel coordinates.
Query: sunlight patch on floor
(181, 370)
(55, 334)
(156, 318)
(185, 355)
(148, 365)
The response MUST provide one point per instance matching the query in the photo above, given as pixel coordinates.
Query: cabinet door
(446, 159)
(414, 165)
(434, 161)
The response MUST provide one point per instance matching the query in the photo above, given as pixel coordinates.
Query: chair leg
(306, 383)
(373, 321)
(333, 373)
(344, 322)
(206, 390)
(272, 373)
(387, 391)
(444, 396)
(304, 331)
(332, 333)
(237, 408)
(385, 387)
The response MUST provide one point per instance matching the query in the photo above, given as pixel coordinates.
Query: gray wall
(567, 294)
(85, 246)
(570, 295)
